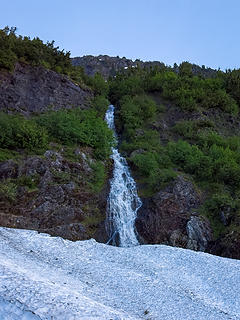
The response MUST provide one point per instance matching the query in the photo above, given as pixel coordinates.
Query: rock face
(228, 245)
(167, 218)
(109, 66)
(52, 194)
(35, 89)
(199, 233)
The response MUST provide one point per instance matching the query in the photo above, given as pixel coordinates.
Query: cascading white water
(123, 201)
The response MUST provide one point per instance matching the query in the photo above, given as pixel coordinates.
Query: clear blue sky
(200, 31)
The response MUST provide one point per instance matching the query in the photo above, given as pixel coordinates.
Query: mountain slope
(43, 277)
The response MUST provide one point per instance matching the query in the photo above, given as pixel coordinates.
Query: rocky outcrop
(52, 194)
(168, 217)
(31, 89)
(109, 66)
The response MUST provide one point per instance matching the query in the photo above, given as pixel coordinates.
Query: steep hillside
(180, 133)
(54, 144)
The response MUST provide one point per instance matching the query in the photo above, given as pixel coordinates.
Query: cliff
(28, 89)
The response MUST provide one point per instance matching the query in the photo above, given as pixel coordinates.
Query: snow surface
(43, 277)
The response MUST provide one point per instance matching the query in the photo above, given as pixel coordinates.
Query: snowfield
(43, 277)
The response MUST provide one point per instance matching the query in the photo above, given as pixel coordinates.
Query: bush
(6, 154)
(190, 159)
(100, 104)
(134, 111)
(225, 165)
(99, 176)
(192, 129)
(146, 163)
(154, 168)
(220, 99)
(218, 202)
(78, 126)
(31, 182)
(18, 132)
(98, 84)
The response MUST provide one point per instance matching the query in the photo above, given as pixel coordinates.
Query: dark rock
(225, 216)
(8, 169)
(32, 166)
(167, 217)
(34, 89)
(60, 203)
(73, 231)
(45, 179)
(109, 66)
(227, 246)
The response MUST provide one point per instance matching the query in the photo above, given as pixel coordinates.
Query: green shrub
(134, 111)
(98, 84)
(30, 182)
(99, 176)
(124, 85)
(100, 104)
(8, 190)
(78, 126)
(206, 139)
(220, 99)
(146, 163)
(191, 129)
(155, 168)
(61, 176)
(18, 132)
(190, 159)
(6, 154)
(161, 179)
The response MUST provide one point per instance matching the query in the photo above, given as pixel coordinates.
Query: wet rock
(69, 187)
(199, 233)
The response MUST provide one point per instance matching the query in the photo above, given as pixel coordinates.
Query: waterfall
(123, 201)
